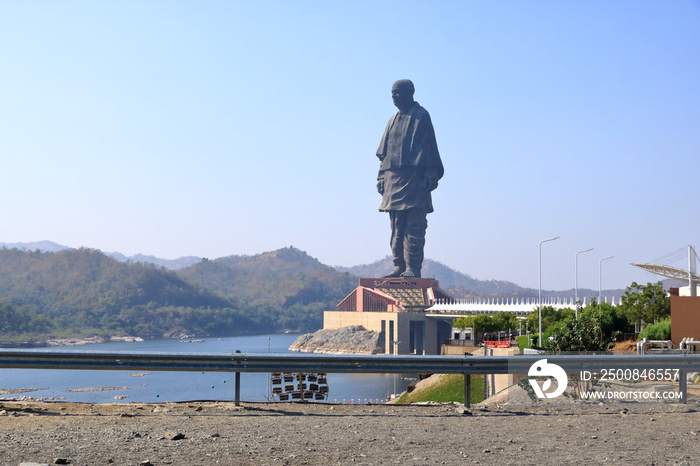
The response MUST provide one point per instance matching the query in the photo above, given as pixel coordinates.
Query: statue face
(402, 96)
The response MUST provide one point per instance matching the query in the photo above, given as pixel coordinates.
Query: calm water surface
(130, 386)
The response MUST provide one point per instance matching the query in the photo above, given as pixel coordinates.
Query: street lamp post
(600, 279)
(539, 296)
(576, 280)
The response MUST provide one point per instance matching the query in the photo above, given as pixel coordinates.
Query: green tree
(16, 320)
(582, 334)
(487, 322)
(550, 316)
(505, 320)
(484, 323)
(613, 320)
(463, 322)
(645, 304)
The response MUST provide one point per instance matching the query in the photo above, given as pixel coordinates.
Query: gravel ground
(206, 433)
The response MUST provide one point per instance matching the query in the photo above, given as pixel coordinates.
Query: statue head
(402, 94)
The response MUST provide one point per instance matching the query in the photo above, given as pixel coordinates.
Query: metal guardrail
(265, 362)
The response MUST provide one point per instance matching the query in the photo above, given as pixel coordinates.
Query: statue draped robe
(409, 157)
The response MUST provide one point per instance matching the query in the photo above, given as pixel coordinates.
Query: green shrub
(658, 331)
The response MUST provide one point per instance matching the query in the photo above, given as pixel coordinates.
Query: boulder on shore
(354, 340)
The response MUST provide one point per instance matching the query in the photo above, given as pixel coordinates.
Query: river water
(95, 386)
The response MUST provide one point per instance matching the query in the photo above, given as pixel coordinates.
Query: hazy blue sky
(214, 128)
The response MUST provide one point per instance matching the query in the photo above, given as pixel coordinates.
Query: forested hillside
(458, 284)
(84, 292)
(282, 278)
(287, 279)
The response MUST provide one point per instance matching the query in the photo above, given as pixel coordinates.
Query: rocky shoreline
(347, 340)
(58, 342)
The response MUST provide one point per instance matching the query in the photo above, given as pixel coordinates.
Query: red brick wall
(685, 318)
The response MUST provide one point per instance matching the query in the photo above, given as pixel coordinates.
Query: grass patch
(524, 342)
(449, 389)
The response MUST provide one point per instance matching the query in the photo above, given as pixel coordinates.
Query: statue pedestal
(396, 309)
(400, 282)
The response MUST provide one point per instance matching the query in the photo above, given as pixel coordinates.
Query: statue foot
(397, 272)
(410, 273)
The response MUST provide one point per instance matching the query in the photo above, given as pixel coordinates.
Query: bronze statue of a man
(409, 171)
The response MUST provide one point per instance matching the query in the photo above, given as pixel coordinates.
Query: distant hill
(50, 246)
(48, 289)
(85, 292)
(170, 264)
(456, 283)
(460, 285)
(286, 278)
(277, 278)
(75, 291)
(43, 246)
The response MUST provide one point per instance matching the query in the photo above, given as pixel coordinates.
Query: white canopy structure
(668, 271)
(676, 272)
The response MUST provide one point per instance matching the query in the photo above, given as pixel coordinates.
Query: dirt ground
(206, 433)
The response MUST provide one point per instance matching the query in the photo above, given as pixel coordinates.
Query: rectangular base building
(396, 308)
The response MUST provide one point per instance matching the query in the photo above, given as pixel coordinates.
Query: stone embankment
(353, 340)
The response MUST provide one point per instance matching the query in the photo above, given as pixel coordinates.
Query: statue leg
(397, 218)
(414, 241)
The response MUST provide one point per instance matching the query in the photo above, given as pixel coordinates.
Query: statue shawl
(418, 144)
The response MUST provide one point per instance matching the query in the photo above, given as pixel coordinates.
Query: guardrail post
(237, 401)
(486, 376)
(683, 386)
(467, 390)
